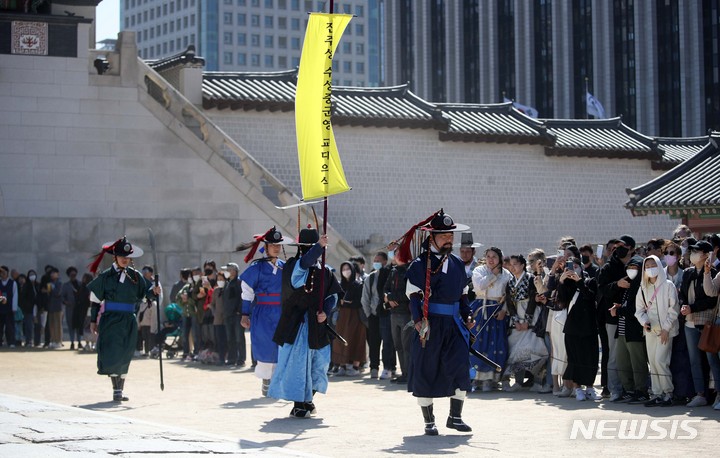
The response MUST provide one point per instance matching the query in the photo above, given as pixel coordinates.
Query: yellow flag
(321, 173)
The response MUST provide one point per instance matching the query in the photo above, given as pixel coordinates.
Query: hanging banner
(321, 173)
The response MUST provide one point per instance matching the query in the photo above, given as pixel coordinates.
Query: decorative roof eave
(340, 120)
(186, 58)
(606, 153)
(496, 138)
(663, 165)
(677, 212)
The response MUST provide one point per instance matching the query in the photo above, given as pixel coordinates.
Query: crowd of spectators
(632, 314)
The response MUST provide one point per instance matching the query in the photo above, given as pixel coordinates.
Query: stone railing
(251, 177)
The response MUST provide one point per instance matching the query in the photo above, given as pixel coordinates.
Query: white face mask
(631, 273)
(221, 283)
(652, 272)
(196, 278)
(695, 257)
(391, 255)
(347, 274)
(32, 277)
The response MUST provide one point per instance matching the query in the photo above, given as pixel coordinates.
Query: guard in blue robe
(302, 333)
(121, 287)
(440, 364)
(261, 284)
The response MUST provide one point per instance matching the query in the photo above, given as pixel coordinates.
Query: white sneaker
(486, 385)
(697, 401)
(536, 388)
(351, 371)
(565, 392)
(373, 373)
(385, 374)
(592, 395)
(614, 397)
(580, 395)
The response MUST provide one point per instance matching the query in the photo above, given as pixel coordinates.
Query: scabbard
(335, 334)
(486, 360)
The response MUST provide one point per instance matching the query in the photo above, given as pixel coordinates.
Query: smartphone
(569, 265)
(560, 253)
(599, 251)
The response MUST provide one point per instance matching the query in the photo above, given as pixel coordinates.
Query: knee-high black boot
(118, 383)
(430, 428)
(310, 406)
(454, 421)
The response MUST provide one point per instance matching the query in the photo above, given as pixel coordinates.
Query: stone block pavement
(53, 404)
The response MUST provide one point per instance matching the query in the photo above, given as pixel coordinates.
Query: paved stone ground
(54, 404)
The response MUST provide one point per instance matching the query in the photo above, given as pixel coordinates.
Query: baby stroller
(171, 328)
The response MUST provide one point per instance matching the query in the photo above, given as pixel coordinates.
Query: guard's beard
(445, 249)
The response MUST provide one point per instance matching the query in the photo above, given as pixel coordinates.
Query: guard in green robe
(121, 287)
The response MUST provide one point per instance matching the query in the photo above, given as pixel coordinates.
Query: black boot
(300, 410)
(454, 421)
(430, 429)
(118, 383)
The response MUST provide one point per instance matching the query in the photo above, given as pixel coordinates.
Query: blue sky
(108, 19)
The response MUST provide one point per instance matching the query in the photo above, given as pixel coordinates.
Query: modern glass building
(254, 35)
(655, 63)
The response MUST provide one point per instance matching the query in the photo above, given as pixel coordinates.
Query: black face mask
(585, 259)
(209, 271)
(621, 252)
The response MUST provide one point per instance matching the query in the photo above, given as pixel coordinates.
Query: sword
(157, 284)
(484, 358)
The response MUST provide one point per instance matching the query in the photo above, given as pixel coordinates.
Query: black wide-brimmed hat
(307, 237)
(466, 241)
(442, 222)
(272, 236)
(438, 222)
(120, 247)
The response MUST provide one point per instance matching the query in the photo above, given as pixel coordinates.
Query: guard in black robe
(440, 363)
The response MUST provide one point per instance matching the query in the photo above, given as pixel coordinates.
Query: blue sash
(119, 307)
(451, 310)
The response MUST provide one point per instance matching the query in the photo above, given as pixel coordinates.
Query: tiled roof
(677, 150)
(691, 188)
(186, 57)
(387, 107)
(498, 123)
(492, 123)
(251, 91)
(603, 137)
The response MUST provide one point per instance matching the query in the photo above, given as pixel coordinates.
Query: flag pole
(324, 232)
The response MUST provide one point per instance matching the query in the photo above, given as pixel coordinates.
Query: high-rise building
(254, 35)
(655, 63)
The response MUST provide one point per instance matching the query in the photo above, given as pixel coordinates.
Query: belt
(119, 307)
(269, 295)
(437, 308)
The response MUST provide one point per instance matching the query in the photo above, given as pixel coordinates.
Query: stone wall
(83, 164)
(512, 196)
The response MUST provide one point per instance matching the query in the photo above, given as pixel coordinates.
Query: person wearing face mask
(216, 306)
(685, 245)
(188, 302)
(437, 289)
(612, 285)
(28, 304)
(699, 309)
(630, 351)
(576, 294)
(349, 324)
(587, 256)
(261, 285)
(711, 286)
(377, 315)
(657, 312)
